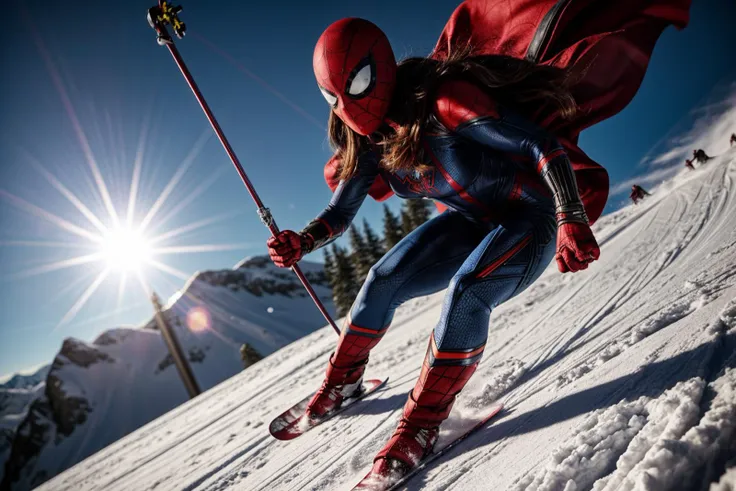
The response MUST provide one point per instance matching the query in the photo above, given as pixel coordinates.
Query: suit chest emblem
(420, 183)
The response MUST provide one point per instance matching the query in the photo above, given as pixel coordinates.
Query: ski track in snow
(619, 377)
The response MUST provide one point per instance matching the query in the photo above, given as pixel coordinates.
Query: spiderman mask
(356, 73)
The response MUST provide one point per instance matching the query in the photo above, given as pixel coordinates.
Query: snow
(26, 380)
(727, 481)
(14, 404)
(619, 377)
(126, 378)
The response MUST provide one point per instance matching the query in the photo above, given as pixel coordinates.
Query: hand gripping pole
(165, 14)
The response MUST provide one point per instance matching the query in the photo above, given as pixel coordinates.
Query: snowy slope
(619, 377)
(16, 396)
(14, 402)
(96, 393)
(14, 405)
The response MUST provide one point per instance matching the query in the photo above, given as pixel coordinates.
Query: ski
(293, 423)
(380, 483)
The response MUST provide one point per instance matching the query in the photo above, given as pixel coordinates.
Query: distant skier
(700, 156)
(491, 137)
(689, 164)
(637, 193)
(733, 139)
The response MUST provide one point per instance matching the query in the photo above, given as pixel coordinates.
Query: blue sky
(121, 85)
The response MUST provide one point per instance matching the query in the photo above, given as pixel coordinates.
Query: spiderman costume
(508, 183)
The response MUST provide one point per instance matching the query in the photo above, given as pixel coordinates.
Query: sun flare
(199, 319)
(123, 240)
(115, 238)
(126, 250)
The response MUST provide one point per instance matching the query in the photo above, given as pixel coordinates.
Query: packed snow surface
(621, 377)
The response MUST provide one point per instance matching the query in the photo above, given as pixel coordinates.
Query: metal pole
(158, 19)
(182, 364)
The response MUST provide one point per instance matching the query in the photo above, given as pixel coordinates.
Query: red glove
(576, 247)
(288, 247)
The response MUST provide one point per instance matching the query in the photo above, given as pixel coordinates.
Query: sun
(123, 241)
(125, 249)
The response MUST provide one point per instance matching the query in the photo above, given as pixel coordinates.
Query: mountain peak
(98, 392)
(26, 381)
(260, 261)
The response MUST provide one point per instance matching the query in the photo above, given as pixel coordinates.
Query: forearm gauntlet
(560, 179)
(315, 235)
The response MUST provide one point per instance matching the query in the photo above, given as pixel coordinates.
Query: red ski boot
(344, 375)
(443, 376)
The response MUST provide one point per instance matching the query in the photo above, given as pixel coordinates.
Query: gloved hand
(288, 247)
(576, 247)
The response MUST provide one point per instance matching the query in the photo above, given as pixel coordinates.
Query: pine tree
(359, 256)
(392, 230)
(421, 211)
(345, 286)
(329, 266)
(407, 224)
(373, 243)
(414, 213)
(249, 355)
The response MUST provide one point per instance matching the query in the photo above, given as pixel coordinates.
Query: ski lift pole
(158, 17)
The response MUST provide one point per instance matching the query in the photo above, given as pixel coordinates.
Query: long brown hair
(513, 82)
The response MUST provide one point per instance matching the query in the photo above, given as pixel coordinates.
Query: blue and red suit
(496, 237)
(508, 182)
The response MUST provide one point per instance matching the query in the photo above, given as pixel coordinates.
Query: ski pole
(158, 17)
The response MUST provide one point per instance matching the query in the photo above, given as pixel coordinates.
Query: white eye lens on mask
(329, 97)
(361, 81)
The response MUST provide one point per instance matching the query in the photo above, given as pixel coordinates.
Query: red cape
(608, 43)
